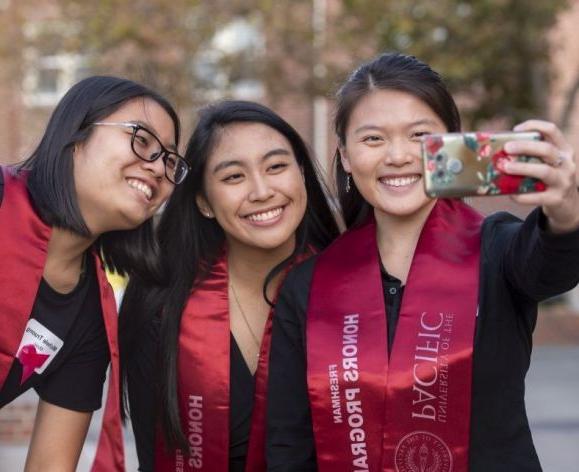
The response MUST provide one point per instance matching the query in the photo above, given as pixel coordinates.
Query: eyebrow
(367, 128)
(151, 129)
(425, 121)
(267, 155)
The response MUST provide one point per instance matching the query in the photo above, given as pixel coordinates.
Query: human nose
(402, 152)
(156, 167)
(261, 189)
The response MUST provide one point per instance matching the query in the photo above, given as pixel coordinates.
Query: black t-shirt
(143, 388)
(520, 265)
(74, 377)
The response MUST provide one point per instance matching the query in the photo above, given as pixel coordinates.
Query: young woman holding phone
(404, 345)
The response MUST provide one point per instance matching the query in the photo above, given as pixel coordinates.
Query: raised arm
(542, 259)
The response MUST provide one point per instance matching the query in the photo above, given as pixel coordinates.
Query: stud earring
(205, 212)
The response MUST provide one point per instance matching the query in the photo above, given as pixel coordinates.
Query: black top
(520, 265)
(74, 377)
(141, 375)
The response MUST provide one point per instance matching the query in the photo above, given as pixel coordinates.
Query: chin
(405, 209)
(271, 243)
(132, 222)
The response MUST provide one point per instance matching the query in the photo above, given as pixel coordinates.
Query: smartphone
(469, 164)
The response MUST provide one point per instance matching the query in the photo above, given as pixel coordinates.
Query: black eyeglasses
(148, 147)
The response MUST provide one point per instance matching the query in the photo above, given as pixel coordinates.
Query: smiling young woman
(195, 349)
(389, 348)
(83, 196)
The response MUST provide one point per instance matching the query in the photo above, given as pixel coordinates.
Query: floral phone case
(469, 164)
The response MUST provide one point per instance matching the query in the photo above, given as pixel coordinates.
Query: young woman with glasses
(404, 346)
(104, 166)
(195, 349)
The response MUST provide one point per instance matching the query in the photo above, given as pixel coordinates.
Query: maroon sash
(24, 240)
(110, 456)
(410, 412)
(204, 375)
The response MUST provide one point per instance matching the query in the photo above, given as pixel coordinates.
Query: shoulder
(16, 180)
(500, 224)
(294, 294)
(300, 277)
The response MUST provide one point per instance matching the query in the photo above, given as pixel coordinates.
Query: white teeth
(141, 186)
(399, 181)
(267, 215)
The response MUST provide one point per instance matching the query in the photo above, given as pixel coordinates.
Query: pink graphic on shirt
(30, 360)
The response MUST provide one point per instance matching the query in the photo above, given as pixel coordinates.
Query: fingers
(554, 150)
(543, 172)
(560, 200)
(550, 132)
(544, 150)
(536, 199)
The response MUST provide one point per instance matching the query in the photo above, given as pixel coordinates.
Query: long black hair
(389, 71)
(51, 178)
(190, 243)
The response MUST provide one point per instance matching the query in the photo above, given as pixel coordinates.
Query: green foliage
(152, 41)
(492, 52)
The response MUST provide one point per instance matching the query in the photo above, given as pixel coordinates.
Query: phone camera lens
(455, 166)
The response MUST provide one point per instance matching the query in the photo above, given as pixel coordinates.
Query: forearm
(540, 263)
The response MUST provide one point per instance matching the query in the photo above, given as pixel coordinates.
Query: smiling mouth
(142, 187)
(265, 216)
(402, 181)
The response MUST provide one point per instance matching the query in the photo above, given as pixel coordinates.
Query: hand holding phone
(470, 164)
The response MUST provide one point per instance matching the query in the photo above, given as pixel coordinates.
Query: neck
(249, 266)
(66, 249)
(397, 238)
(64, 259)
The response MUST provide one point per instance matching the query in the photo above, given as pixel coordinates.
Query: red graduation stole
(24, 240)
(410, 412)
(204, 374)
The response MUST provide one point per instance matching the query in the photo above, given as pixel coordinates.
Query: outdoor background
(505, 61)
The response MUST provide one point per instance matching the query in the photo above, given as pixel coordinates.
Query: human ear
(204, 206)
(344, 158)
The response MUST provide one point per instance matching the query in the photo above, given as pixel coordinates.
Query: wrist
(560, 227)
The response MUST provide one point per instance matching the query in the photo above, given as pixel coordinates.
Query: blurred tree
(152, 41)
(493, 53)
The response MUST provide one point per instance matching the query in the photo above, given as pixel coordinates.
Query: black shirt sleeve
(78, 383)
(537, 263)
(290, 440)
